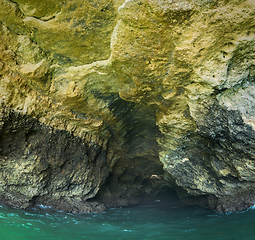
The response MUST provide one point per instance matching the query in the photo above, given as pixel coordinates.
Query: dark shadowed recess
(43, 165)
(137, 175)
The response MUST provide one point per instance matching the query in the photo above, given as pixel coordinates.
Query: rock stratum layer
(104, 103)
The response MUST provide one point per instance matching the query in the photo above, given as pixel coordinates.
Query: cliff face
(107, 102)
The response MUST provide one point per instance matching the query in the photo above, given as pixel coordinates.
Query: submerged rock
(105, 103)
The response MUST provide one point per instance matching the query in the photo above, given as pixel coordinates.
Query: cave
(115, 103)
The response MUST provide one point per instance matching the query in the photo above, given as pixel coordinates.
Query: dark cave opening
(57, 158)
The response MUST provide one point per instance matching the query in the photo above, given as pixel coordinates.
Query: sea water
(149, 221)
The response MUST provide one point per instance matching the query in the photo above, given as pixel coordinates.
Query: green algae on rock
(151, 94)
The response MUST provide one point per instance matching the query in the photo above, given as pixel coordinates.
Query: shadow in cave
(137, 177)
(166, 199)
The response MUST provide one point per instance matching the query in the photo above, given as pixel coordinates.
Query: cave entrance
(137, 175)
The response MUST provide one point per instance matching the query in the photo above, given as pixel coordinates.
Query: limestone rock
(99, 97)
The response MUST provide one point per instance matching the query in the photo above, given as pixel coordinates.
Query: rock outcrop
(107, 102)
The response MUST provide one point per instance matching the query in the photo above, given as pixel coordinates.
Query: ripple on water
(139, 222)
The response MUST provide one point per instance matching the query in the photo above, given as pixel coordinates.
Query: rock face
(46, 165)
(104, 103)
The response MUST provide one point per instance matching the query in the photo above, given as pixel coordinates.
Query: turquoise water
(140, 222)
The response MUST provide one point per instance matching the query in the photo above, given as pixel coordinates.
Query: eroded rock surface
(107, 102)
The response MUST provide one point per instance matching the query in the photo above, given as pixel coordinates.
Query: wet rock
(40, 165)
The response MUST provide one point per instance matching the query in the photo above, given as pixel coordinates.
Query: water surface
(152, 221)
